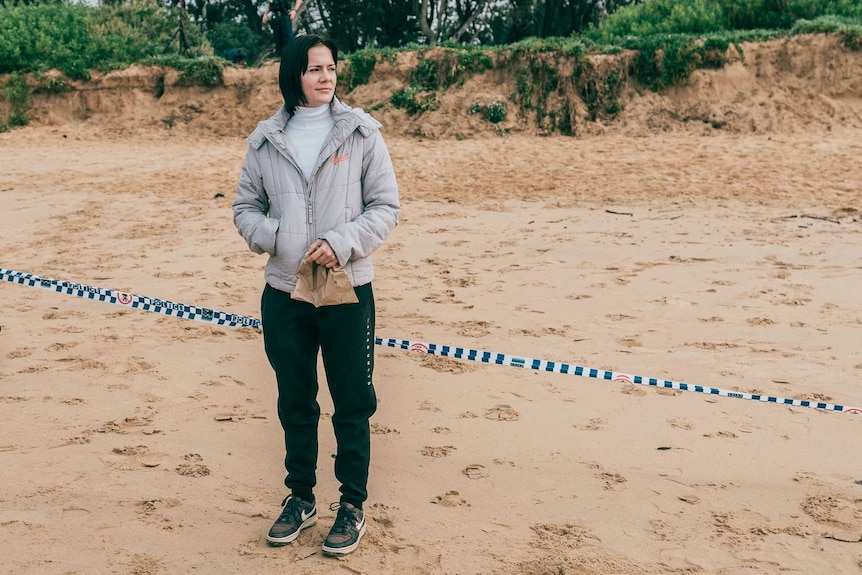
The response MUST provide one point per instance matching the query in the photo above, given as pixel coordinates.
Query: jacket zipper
(309, 195)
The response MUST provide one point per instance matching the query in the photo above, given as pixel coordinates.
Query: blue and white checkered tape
(207, 315)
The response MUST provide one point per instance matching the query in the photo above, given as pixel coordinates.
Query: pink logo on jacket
(338, 159)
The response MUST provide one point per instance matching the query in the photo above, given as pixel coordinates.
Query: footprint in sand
(131, 450)
(560, 535)
(449, 499)
(122, 427)
(629, 342)
(837, 509)
(224, 380)
(75, 440)
(610, 479)
(727, 434)
(594, 424)
(77, 363)
(193, 466)
(632, 389)
(140, 454)
(474, 329)
(49, 315)
(445, 365)
(377, 429)
(679, 423)
(501, 413)
(760, 321)
(62, 346)
(428, 406)
(229, 416)
(475, 471)
(137, 364)
(20, 352)
(151, 505)
(448, 296)
(382, 514)
(456, 281)
(441, 451)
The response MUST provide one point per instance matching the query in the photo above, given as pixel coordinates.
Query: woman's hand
(320, 252)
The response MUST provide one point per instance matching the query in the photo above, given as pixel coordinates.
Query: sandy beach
(137, 443)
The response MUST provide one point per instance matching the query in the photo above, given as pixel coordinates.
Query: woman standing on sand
(318, 189)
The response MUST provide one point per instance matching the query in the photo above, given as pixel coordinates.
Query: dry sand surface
(136, 443)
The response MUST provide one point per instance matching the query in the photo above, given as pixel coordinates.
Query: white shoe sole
(338, 551)
(292, 537)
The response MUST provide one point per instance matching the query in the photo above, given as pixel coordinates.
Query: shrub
(810, 9)
(233, 35)
(567, 46)
(358, 68)
(414, 100)
(495, 112)
(710, 16)
(849, 30)
(17, 94)
(754, 14)
(75, 38)
(425, 74)
(600, 87)
(661, 17)
(205, 71)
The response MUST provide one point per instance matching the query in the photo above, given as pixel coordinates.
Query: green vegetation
(715, 16)
(848, 29)
(204, 71)
(357, 69)
(660, 17)
(414, 100)
(17, 94)
(76, 39)
(600, 87)
(494, 112)
(658, 43)
(438, 69)
(446, 66)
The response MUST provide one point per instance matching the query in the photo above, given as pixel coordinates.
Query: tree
(567, 17)
(440, 21)
(355, 25)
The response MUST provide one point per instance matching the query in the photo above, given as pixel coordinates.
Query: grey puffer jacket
(351, 200)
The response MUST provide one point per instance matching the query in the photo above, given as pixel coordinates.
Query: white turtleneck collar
(308, 130)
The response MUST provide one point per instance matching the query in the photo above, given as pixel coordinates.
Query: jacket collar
(347, 120)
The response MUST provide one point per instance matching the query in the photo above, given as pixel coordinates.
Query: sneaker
(296, 516)
(348, 529)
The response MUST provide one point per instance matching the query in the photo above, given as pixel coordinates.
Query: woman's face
(318, 81)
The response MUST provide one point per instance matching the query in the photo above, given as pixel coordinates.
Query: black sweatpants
(293, 332)
(282, 32)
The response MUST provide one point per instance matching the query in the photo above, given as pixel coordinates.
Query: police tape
(207, 315)
(165, 307)
(571, 369)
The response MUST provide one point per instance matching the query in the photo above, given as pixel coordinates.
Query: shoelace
(291, 510)
(344, 521)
